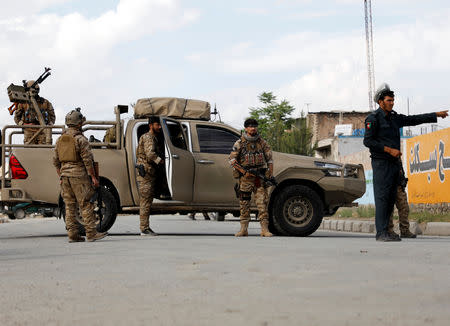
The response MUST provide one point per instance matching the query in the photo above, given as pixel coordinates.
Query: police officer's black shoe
(387, 237)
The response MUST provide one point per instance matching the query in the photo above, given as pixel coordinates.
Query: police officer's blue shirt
(384, 130)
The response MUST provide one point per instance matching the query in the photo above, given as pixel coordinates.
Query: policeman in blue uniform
(382, 137)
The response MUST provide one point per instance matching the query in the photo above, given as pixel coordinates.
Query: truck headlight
(330, 169)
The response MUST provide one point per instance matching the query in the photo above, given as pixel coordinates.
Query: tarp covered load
(172, 107)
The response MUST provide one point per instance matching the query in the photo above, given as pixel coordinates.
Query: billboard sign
(428, 165)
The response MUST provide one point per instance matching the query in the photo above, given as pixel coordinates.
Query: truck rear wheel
(297, 211)
(109, 210)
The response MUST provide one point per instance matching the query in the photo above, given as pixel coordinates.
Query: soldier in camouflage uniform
(251, 151)
(110, 135)
(149, 154)
(401, 202)
(26, 115)
(74, 164)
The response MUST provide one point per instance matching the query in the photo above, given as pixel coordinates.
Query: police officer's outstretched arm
(414, 120)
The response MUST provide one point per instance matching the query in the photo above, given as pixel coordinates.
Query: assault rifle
(97, 196)
(256, 173)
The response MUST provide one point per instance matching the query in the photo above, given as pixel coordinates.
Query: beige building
(329, 146)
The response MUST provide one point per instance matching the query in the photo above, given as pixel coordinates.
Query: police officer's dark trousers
(385, 182)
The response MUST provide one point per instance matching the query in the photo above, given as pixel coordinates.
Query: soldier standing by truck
(149, 155)
(252, 152)
(74, 164)
(26, 115)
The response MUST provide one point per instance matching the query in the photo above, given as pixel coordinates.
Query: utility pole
(369, 50)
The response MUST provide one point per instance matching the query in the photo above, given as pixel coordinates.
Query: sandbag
(172, 107)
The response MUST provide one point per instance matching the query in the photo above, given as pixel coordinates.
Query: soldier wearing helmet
(252, 152)
(26, 115)
(382, 137)
(74, 164)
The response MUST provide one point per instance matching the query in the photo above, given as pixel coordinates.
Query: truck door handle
(175, 156)
(205, 162)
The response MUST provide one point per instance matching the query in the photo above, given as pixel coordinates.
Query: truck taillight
(17, 170)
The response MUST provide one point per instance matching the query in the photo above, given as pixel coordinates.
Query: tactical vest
(252, 153)
(30, 116)
(66, 149)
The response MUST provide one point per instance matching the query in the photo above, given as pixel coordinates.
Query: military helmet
(30, 83)
(75, 118)
(383, 90)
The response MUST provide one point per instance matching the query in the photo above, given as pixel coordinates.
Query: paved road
(196, 273)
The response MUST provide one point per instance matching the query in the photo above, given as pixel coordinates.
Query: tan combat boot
(265, 229)
(243, 232)
(76, 238)
(97, 236)
(407, 234)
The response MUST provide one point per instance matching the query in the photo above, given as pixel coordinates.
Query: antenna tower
(369, 49)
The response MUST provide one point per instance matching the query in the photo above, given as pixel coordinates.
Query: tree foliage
(279, 129)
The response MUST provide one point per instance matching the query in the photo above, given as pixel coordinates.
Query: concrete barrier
(437, 228)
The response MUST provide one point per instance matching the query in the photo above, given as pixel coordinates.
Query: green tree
(277, 126)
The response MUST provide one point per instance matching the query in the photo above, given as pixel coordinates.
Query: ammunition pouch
(66, 149)
(244, 195)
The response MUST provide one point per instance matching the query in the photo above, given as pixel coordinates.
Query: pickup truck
(198, 174)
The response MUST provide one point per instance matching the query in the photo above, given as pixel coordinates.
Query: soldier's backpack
(66, 148)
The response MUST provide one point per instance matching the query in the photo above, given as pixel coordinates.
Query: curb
(4, 219)
(430, 228)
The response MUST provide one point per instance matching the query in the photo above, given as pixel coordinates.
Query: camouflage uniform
(401, 202)
(26, 115)
(76, 186)
(110, 135)
(149, 153)
(252, 152)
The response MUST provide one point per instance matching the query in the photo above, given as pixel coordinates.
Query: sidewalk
(348, 225)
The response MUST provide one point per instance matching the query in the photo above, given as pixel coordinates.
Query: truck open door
(179, 161)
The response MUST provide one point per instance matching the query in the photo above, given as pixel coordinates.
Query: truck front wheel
(297, 210)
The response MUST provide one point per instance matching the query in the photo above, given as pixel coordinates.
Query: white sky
(106, 52)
